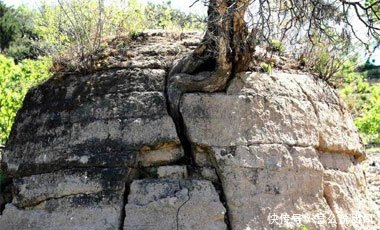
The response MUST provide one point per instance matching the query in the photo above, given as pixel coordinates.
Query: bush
(369, 124)
(9, 26)
(15, 80)
(373, 73)
(266, 67)
(363, 99)
(162, 16)
(326, 65)
(18, 38)
(276, 46)
(76, 30)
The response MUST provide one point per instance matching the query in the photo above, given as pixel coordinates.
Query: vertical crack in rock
(310, 101)
(179, 208)
(223, 199)
(319, 122)
(219, 185)
(130, 177)
(173, 95)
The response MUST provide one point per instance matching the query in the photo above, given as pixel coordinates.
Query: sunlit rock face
(286, 151)
(100, 151)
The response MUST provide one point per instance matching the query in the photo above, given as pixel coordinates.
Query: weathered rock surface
(105, 118)
(102, 119)
(79, 140)
(372, 172)
(174, 204)
(95, 211)
(37, 188)
(100, 151)
(286, 151)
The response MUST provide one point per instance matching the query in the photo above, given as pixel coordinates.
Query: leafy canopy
(15, 81)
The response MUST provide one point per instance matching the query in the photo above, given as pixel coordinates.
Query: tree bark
(227, 48)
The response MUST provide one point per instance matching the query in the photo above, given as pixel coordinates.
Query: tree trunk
(227, 48)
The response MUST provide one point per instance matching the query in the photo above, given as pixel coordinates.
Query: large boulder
(286, 150)
(79, 139)
(100, 151)
(104, 119)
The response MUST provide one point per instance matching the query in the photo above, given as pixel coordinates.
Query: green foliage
(326, 65)
(121, 19)
(75, 30)
(159, 15)
(71, 26)
(78, 26)
(276, 46)
(9, 26)
(163, 16)
(373, 73)
(26, 45)
(363, 100)
(266, 67)
(373, 14)
(18, 38)
(369, 122)
(304, 227)
(15, 80)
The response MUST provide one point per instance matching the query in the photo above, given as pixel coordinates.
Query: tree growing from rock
(229, 42)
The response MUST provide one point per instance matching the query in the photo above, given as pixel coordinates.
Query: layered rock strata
(100, 151)
(286, 150)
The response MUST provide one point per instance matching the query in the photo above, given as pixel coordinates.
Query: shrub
(9, 26)
(76, 29)
(368, 122)
(326, 65)
(363, 100)
(266, 67)
(276, 46)
(163, 16)
(18, 39)
(15, 80)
